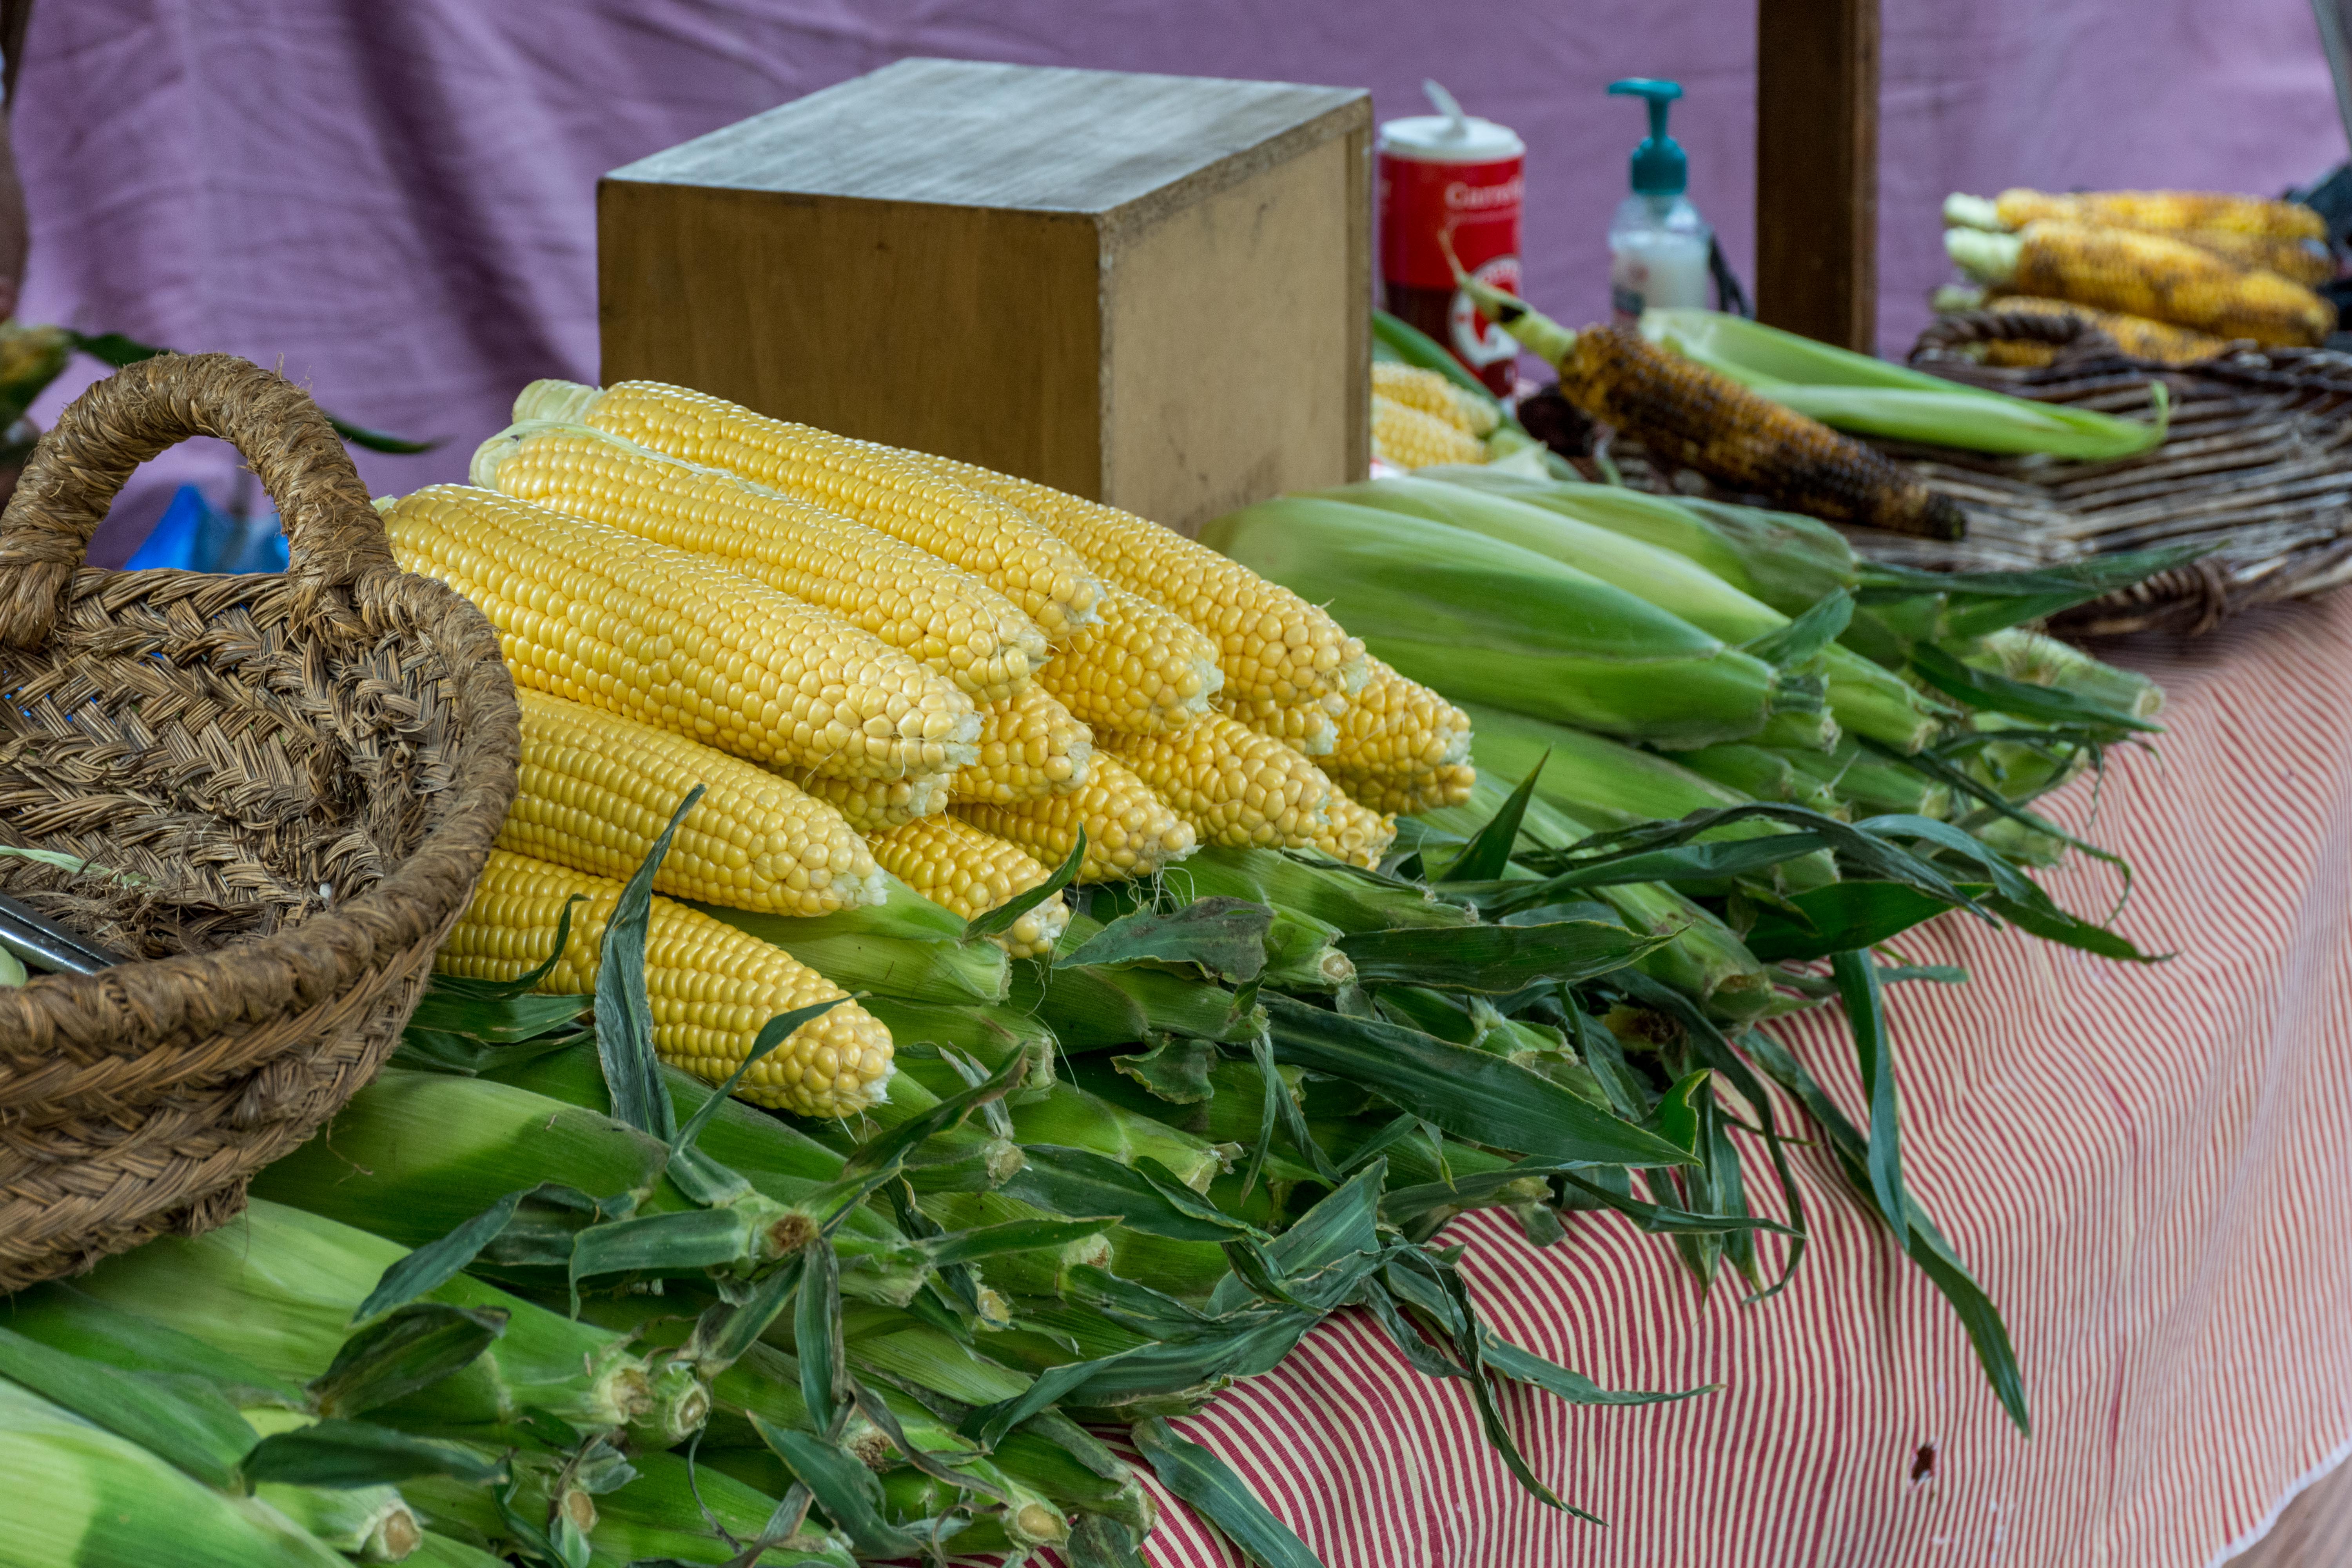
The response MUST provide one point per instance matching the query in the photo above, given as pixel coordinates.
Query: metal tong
(43, 943)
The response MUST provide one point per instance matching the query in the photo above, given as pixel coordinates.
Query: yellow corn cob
(1403, 794)
(596, 789)
(2304, 261)
(670, 639)
(2146, 275)
(874, 805)
(1130, 832)
(1030, 746)
(2164, 212)
(1270, 642)
(712, 987)
(1412, 439)
(1398, 726)
(2135, 335)
(1433, 394)
(957, 866)
(877, 485)
(1310, 729)
(909, 598)
(1143, 670)
(1356, 833)
(1235, 786)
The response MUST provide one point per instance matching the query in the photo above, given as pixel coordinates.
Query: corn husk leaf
(1225, 936)
(184, 1419)
(1210, 1485)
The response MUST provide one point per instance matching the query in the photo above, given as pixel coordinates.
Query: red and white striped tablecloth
(2148, 1167)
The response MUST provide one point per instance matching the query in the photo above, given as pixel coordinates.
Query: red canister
(1463, 177)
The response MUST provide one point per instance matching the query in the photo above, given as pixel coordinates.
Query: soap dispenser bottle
(1658, 243)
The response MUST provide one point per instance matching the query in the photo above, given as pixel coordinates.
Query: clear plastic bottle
(1658, 245)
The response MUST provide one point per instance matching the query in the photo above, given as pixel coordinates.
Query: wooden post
(1817, 169)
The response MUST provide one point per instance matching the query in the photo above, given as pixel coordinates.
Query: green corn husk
(1090, 1007)
(373, 1524)
(79, 1495)
(1026, 1519)
(1227, 1112)
(1786, 560)
(278, 1287)
(667, 1513)
(2023, 846)
(1798, 731)
(1302, 953)
(1706, 960)
(991, 1035)
(1487, 621)
(907, 947)
(1068, 1115)
(434, 1549)
(1611, 785)
(964, 1158)
(1870, 396)
(1762, 774)
(1053, 1471)
(1863, 697)
(1033, 1271)
(1309, 883)
(1875, 785)
(1187, 1270)
(2043, 661)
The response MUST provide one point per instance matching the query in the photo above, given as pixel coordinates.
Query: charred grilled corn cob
(596, 790)
(879, 485)
(587, 612)
(2164, 212)
(712, 987)
(909, 598)
(957, 866)
(1412, 438)
(1697, 418)
(2146, 275)
(1030, 747)
(2135, 335)
(1235, 786)
(1130, 832)
(1270, 642)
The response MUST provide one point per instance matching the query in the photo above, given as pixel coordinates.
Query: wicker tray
(2258, 465)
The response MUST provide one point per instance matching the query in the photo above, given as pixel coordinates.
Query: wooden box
(1154, 290)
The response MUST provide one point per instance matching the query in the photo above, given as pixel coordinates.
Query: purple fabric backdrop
(396, 202)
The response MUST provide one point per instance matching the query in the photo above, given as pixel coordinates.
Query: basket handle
(334, 536)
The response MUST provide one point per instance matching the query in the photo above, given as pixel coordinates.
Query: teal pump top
(1660, 169)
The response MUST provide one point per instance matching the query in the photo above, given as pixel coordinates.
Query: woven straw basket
(291, 783)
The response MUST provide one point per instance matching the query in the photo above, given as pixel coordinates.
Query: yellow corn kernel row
(1412, 439)
(1356, 833)
(595, 790)
(1143, 670)
(879, 485)
(2142, 274)
(1310, 729)
(1029, 746)
(1401, 795)
(871, 806)
(912, 600)
(1270, 643)
(1431, 393)
(672, 640)
(2135, 335)
(1398, 726)
(957, 866)
(1235, 786)
(1131, 831)
(2164, 212)
(712, 987)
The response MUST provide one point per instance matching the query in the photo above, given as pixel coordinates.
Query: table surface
(2147, 1166)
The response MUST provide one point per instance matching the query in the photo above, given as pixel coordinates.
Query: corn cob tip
(1987, 256)
(550, 398)
(1546, 338)
(1963, 211)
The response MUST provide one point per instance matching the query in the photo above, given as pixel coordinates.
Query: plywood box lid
(1030, 137)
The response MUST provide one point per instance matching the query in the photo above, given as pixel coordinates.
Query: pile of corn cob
(2171, 276)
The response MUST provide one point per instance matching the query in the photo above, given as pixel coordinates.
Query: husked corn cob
(1398, 726)
(1030, 746)
(2164, 212)
(1143, 668)
(587, 612)
(1356, 833)
(1130, 832)
(1695, 417)
(871, 806)
(881, 486)
(1402, 795)
(908, 597)
(1412, 439)
(1270, 642)
(1433, 394)
(1310, 729)
(1235, 786)
(712, 987)
(2146, 275)
(2304, 261)
(2135, 335)
(596, 790)
(957, 866)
